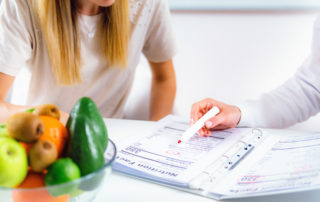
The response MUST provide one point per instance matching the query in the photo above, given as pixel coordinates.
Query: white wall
(231, 57)
(245, 4)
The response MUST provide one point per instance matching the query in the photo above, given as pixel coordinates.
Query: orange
(26, 146)
(35, 180)
(55, 132)
(36, 195)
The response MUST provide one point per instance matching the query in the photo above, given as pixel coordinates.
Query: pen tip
(179, 141)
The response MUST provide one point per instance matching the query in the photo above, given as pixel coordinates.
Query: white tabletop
(121, 188)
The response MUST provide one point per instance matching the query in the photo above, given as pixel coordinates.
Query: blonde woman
(75, 48)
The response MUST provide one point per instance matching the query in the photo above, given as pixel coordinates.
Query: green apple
(3, 130)
(13, 162)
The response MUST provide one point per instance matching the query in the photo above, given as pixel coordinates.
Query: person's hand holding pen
(228, 117)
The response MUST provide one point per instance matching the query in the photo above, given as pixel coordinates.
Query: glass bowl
(84, 189)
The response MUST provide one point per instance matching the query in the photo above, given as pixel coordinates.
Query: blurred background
(233, 50)
(244, 4)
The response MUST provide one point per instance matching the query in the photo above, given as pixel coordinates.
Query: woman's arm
(163, 89)
(294, 101)
(7, 109)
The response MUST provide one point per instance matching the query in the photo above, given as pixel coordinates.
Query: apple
(3, 130)
(13, 162)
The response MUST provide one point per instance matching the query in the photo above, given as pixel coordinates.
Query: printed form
(292, 163)
(160, 158)
(250, 161)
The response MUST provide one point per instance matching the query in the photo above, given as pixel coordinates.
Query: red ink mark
(179, 141)
(173, 152)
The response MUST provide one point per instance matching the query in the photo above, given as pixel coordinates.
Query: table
(120, 188)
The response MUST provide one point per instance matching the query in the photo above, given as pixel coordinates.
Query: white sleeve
(160, 44)
(15, 42)
(295, 101)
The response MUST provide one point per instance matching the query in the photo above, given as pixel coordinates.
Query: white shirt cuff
(246, 115)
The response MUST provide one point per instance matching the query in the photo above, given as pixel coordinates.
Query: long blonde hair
(58, 21)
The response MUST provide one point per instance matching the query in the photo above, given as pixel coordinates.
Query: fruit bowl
(83, 189)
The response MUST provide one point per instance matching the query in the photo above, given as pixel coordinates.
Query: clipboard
(238, 167)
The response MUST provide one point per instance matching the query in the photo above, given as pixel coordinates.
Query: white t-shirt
(294, 101)
(23, 52)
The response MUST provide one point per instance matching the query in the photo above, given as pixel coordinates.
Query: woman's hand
(228, 117)
(64, 116)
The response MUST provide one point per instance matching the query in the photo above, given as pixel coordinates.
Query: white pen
(199, 124)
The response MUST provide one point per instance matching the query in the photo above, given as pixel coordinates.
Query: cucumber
(85, 106)
(84, 146)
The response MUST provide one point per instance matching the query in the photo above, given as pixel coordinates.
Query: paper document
(232, 163)
(291, 163)
(159, 154)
